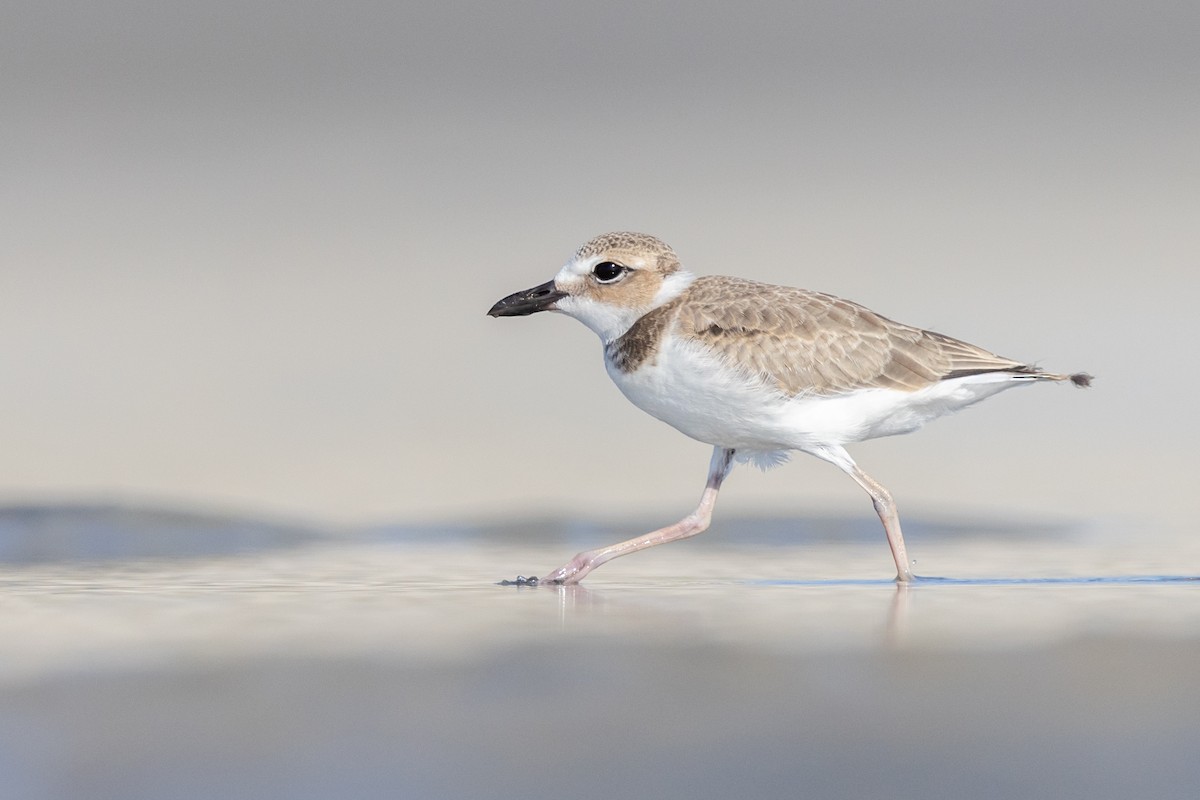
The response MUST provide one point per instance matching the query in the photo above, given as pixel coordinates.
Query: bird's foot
(571, 572)
(521, 580)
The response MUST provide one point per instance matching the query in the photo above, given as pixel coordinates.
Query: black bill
(530, 301)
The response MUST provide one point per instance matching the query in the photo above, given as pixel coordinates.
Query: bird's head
(608, 284)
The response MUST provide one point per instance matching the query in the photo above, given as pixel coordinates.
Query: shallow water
(1027, 667)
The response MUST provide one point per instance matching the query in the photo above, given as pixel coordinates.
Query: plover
(758, 371)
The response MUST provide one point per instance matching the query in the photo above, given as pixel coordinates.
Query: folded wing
(806, 342)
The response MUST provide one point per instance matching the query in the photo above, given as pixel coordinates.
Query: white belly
(691, 390)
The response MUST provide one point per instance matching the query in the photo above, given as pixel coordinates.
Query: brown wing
(808, 342)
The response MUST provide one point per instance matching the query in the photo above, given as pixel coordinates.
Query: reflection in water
(828, 611)
(897, 617)
(577, 599)
(572, 599)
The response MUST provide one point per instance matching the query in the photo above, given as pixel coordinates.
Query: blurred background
(248, 246)
(263, 457)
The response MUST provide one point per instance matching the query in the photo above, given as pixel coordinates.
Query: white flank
(688, 388)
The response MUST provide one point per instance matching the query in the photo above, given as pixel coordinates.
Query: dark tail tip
(1081, 379)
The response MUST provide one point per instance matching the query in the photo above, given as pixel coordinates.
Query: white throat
(610, 322)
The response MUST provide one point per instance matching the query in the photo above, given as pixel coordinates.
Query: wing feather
(806, 342)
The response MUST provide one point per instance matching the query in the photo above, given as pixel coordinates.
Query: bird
(759, 371)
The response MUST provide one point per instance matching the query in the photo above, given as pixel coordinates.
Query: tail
(1080, 379)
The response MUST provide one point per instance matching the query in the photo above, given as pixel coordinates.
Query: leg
(696, 522)
(885, 506)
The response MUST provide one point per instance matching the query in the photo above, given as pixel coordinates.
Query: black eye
(607, 271)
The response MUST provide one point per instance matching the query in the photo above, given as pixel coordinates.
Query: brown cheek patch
(636, 291)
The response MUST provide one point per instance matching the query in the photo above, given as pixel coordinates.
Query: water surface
(395, 666)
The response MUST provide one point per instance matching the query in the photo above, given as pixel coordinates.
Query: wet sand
(1060, 668)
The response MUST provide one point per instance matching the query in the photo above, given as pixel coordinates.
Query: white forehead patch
(575, 271)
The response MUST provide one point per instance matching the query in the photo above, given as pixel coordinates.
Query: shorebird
(758, 371)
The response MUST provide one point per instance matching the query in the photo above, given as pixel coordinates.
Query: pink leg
(885, 506)
(696, 522)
